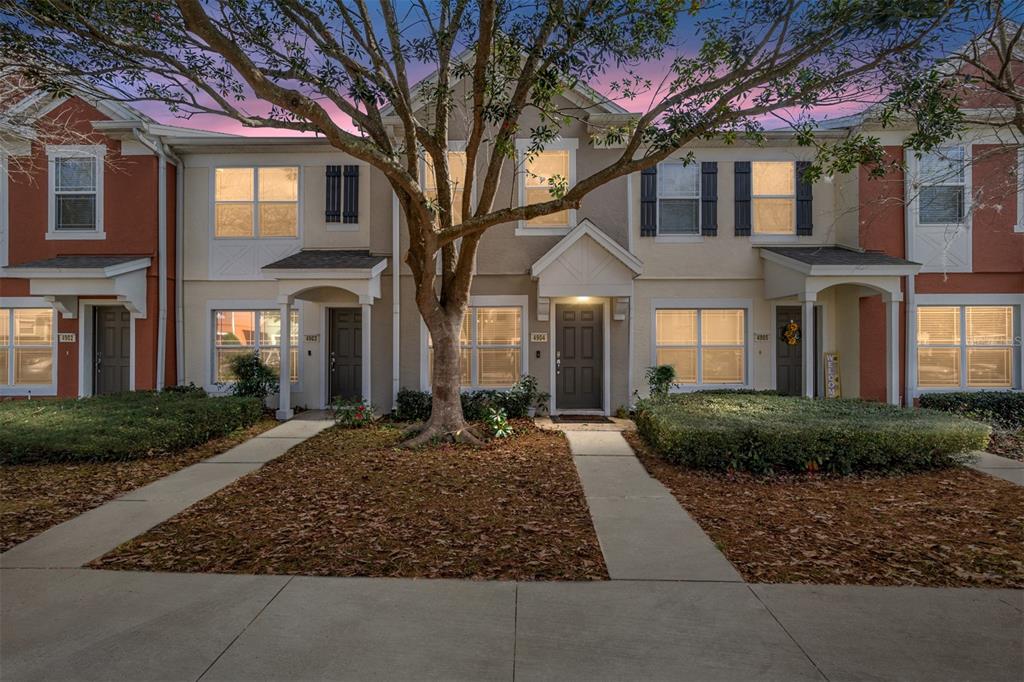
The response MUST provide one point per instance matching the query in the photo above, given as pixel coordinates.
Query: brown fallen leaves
(350, 503)
(949, 528)
(34, 497)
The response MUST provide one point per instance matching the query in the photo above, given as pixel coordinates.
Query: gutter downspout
(161, 249)
(396, 302)
(910, 299)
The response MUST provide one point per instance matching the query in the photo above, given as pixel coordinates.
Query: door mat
(580, 419)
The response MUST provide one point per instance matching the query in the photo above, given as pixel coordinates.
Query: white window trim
(49, 389)
(210, 383)
(453, 146)
(1019, 227)
(768, 237)
(918, 185)
(98, 153)
(255, 238)
(521, 302)
(912, 190)
(691, 238)
(5, 190)
(744, 304)
(1015, 301)
(561, 144)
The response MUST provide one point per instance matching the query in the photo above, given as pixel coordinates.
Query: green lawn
(117, 427)
(767, 434)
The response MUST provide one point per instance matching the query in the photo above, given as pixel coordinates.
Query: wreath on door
(791, 333)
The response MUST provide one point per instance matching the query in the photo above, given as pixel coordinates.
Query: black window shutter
(709, 198)
(332, 205)
(741, 171)
(804, 207)
(649, 202)
(350, 214)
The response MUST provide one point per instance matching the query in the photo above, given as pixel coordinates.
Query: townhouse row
(155, 254)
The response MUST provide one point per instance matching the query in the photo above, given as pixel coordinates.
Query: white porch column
(284, 405)
(807, 337)
(892, 349)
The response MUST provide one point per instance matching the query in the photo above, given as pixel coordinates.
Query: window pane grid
(965, 347)
(773, 197)
(26, 346)
(942, 183)
(240, 332)
(678, 198)
(491, 347)
(74, 189)
(256, 203)
(705, 346)
(545, 166)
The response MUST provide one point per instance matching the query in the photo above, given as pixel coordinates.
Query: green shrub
(659, 379)
(118, 427)
(497, 422)
(516, 402)
(353, 413)
(253, 378)
(1004, 409)
(768, 434)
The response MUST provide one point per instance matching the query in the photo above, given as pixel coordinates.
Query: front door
(789, 361)
(579, 361)
(112, 345)
(345, 353)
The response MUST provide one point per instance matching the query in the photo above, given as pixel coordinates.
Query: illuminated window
(491, 343)
(457, 178)
(678, 198)
(237, 332)
(705, 346)
(773, 197)
(542, 172)
(942, 181)
(256, 202)
(965, 346)
(26, 346)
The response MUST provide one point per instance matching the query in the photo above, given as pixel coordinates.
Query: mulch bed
(34, 497)
(1007, 444)
(351, 503)
(950, 528)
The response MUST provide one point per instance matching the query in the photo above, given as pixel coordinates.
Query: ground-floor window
(965, 346)
(491, 341)
(26, 347)
(252, 331)
(705, 346)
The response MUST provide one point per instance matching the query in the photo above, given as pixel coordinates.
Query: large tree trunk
(446, 418)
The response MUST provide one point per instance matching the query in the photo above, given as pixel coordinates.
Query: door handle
(332, 359)
(99, 361)
(558, 366)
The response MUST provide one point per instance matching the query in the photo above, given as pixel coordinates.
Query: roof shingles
(327, 259)
(835, 255)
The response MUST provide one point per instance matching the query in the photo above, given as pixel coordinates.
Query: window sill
(23, 391)
(679, 239)
(962, 389)
(522, 231)
(693, 388)
(770, 239)
(254, 239)
(70, 235)
(342, 227)
(1019, 227)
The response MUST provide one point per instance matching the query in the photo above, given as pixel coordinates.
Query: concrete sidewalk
(74, 624)
(644, 532)
(1001, 467)
(80, 540)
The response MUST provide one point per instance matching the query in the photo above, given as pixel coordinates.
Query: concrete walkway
(644, 533)
(1001, 467)
(80, 540)
(74, 624)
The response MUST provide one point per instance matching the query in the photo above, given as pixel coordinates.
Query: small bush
(253, 377)
(497, 422)
(1004, 409)
(516, 402)
(353, 413)
(659, 379)
(766, 434)
(118, 427)
(189, 388)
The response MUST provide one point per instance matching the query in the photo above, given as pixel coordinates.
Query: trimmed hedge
(1004, 409)
(768, 434)
(415, 406)
(117, 427)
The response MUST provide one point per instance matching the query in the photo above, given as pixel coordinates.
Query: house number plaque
(312, 338)
(66, 337)
(539, 337)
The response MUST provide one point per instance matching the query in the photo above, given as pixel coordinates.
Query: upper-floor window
(773, 197)
(237, 332)
(705, 346)
(941, 187)
(541, 173)
(260, 202)
(26, 347)
(965, 346)
(491, 347)
(457, 178)
(75, 191)
(678, 198)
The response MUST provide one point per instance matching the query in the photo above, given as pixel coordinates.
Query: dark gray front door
(578, 357)
(789, 362)
(112, 350)
(345, 353)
